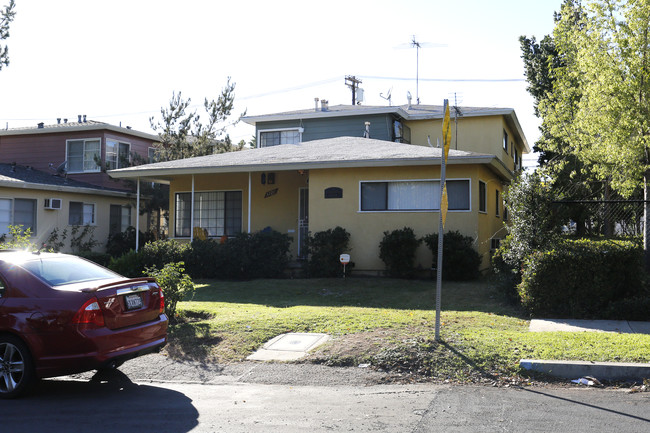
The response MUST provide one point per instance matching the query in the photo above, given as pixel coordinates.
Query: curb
(600, 370)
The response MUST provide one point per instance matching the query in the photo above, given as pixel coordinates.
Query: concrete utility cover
(288, 347)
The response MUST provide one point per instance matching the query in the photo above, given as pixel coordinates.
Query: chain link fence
(608, 218)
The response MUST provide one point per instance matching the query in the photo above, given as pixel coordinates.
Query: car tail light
(162, 302)
(89, 314)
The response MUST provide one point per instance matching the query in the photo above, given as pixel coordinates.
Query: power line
(452, 80)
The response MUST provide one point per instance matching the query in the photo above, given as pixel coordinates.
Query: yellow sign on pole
(446, 140)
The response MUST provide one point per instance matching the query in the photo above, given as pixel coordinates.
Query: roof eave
(79, 128)
(165, 174)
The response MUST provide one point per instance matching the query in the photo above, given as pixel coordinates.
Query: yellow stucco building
(297, 183)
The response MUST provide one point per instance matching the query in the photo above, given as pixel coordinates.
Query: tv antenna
(388, 97)
(417, 45)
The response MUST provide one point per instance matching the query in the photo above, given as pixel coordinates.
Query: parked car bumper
(103, 347)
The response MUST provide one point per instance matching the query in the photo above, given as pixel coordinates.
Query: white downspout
(137, 217)
(192, 213)
(250, 183)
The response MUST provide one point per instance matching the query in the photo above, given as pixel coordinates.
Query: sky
(120, 61)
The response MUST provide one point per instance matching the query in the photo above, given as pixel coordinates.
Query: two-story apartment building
(54, 176)
(366, 169)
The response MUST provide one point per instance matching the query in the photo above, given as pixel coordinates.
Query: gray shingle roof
(327, 153)
(20, 176)
(414, 112)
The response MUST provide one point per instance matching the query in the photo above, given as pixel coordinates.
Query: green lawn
(385, 322)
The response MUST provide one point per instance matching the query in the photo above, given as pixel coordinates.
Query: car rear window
(57, 271)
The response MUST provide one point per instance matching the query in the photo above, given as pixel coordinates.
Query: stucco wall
(48, 220)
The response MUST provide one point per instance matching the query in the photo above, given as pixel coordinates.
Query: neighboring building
(83, 150)
(307, 176)
(43, 202)
(54, 176)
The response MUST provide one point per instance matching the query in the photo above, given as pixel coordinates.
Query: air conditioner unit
(53, 203)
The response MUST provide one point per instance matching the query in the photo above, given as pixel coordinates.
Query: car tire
(16, 367)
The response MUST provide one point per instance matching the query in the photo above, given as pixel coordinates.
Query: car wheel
(16, 367)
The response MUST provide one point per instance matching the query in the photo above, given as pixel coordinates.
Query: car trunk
(128, 302)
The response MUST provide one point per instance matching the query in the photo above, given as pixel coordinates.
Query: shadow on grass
(478, 295)
(191, 341)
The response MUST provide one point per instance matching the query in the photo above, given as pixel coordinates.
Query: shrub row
(460, 260)
(585, 279)
(245, 256)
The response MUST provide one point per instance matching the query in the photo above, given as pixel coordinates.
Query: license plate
(133, 302)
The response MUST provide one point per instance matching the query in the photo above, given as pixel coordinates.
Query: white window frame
(12, 212)
(117, 153)
(469, 193)
(260, 131)
(485, 197)
(93, 221)
(197, 217)
(85, 140)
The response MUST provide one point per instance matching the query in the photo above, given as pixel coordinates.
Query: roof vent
(323, 105)
(79, 118)
(366, 134)
(58, 120)
(41, 125)
(85, 121)
(65, 120)
(315, 104)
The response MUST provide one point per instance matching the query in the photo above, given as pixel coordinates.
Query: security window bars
(218, 212)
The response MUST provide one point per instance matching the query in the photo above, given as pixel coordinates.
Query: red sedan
(61, 314)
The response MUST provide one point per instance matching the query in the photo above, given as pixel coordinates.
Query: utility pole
(353, 83)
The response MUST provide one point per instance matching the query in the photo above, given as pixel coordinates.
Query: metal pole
(439, 264)
(192, 213)
(137, 218)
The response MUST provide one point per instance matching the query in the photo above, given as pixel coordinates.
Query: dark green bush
(121, 242)
(159, 253)
(325, 249)
(581, 278)
(397, 250)
(205, 259)
(99, 258)
(268, 254)
(129, 264)
(460, 261)
(504, 275)
(153, 254)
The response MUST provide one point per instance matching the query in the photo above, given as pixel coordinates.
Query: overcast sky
(119, 61)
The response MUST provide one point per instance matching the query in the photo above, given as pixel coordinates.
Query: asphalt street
(116, 404)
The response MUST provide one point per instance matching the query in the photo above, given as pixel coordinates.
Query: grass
(387, 323)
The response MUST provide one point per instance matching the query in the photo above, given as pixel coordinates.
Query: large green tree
(184, 134)
(545, 63)
(608, 82)
(6, 17)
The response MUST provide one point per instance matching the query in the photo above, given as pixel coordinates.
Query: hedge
(581, 279)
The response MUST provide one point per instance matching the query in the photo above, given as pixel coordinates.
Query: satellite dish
(61, 169)
(388, 96)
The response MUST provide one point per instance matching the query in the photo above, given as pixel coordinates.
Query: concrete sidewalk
(568, 325)
(600, 370)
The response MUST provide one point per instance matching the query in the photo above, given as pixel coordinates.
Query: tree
(182, 132)
(610, 128)
(6, 17)
(545, 64)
